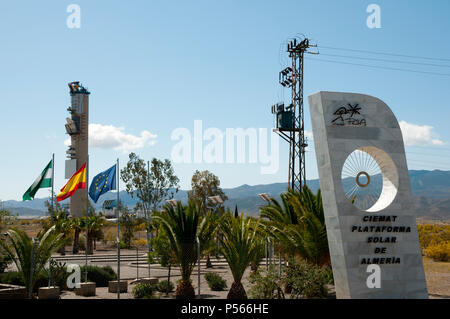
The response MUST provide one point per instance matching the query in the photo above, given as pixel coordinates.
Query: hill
(431, 191)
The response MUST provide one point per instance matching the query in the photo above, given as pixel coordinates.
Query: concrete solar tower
(77, 127)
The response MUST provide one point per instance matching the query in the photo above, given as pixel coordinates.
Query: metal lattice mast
(290, 120)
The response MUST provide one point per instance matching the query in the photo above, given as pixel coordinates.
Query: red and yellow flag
(78, 180)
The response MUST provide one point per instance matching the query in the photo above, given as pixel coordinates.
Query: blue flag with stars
(102, 183)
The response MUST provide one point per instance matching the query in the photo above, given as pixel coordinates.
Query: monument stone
(366, 197)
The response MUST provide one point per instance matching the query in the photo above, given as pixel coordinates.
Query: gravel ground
(437, 276)
(129, 273)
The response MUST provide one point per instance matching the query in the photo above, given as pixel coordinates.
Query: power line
(379, 67)
(385, 53)
(385, 60)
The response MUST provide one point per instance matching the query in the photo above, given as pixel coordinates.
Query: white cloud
(419, 135)
(111, 137)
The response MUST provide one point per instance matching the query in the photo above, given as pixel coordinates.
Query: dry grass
(438, 278)
(32, 229)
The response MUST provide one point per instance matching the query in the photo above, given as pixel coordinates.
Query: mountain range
(431, 191)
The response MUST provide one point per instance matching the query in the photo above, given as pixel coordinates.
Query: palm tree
(280, 214)
(183, 224)
(299, 225)
(209, 245)
(77, 224)
(259, 255)
(240, 244)
(310, 236)
(95, 226)
(20, 248)
(62, 226)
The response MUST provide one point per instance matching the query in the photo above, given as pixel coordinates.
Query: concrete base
(86, 289)
(112, 286)
(12, 292)
(48, 292)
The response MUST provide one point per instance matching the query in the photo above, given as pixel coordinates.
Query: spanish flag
(78, 180)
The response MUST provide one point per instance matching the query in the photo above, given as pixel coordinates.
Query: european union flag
(102, 183)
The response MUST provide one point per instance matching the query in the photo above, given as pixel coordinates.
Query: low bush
(110, 237)
(11, 278)
(432, 235)
(82, 243)
(141, 226)
(215, 282)
(266, 285)
(58, 274)
(439, 251)
(123, 245)
(5, 260)
(139, 242)
(14, 278)
(307, 280)
(110, 271)
(100, 275)
(163, 285)
(328, 273)
(143, 291)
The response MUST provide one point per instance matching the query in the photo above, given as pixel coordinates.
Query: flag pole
(149, 236)
(118, 233)
(53, 193)
(51, 216)
(87, 218)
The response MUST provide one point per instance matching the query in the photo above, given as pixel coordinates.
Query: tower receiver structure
(77, 127)
(290, 119)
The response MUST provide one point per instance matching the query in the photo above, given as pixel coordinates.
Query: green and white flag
(43, 181)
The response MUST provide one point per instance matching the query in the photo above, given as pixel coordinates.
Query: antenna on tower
(290, 119)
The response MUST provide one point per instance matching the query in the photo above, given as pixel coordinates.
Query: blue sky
(158, 65)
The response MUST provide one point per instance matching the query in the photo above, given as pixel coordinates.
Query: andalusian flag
(78, 180)
(43, 181)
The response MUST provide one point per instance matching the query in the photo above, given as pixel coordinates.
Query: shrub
(307, 280)
(139, 242)
(141, 226)
(58, 274)
(100, 275)
(82, 243)
(439, 251)
(328, 273)
(15, 278)
(143, 291)
(5, 260)
(110, 271)
(433, 234)
(110, 236)
(267, 286)
(215, 282)
(11, 278)
(163, 285)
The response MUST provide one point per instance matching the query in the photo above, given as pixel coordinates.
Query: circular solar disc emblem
(358, 181)
(369, 179)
